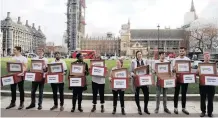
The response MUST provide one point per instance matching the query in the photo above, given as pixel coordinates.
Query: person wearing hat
(77, 91)
(58, 86)
(40, 53)
(206, 92)
(98, 85)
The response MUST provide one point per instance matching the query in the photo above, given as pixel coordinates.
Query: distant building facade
(17, 34)
(103, 45)
(146, 40)
(1, 54)
(75, 23)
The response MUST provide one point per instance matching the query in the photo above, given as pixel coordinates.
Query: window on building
(124, 45)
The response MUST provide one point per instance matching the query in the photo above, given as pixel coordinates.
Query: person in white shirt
(98, 85)
(137, 63)
(118, 91)
(158, 88)
(58, 86)
(184, 86)
(20, 59)
(40, 53)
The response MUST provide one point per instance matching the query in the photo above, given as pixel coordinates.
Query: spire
(128, 21)
(192, 7)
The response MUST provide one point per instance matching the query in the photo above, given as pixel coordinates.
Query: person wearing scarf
(137, 63)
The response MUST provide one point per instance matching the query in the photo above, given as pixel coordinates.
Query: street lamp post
(158, 27)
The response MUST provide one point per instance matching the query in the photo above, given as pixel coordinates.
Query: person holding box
(40, 53)
(158, 88)
(98, 85)
(115, 92)
(206, 92)
(137, 63)
(58, 86)
(77, 91)
(184, 86)
(21, 59)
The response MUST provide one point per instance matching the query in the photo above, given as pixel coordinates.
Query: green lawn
(193, 88)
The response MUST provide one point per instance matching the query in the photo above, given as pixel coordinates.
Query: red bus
(87, 54)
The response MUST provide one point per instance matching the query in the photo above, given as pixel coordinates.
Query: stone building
(102, 45)
(17, 34)
(146, 40)
(1, 44)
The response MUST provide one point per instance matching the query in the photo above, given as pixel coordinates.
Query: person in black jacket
(77, 91)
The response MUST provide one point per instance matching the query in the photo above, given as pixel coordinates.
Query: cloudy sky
(106, 15)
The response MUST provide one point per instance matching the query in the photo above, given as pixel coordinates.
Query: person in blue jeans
(35, 85)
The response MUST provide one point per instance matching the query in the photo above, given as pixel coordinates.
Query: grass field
(193, 88)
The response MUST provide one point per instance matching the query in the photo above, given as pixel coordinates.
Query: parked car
(194, 64)
(104, 57)
(113, 58)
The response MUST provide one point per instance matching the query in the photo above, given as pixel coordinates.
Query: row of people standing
(98, 86)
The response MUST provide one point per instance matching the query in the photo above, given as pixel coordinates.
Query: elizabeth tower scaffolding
(75, 23)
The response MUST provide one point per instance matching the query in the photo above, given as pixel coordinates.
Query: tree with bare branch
(203, 37)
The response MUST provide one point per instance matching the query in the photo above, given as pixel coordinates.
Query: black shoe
(80, 109)
(61, 108)
(123, 111)
(93, 108)
(147, 112)
(30, 106)
(139, 111)
(21, 106)
(156, 111)
(11, 106)
(176, 111)
(114, 110)
(185, 111)
(73, 109)
(39, 107)
(202, 114)
(210, 115)
(167, 111)
(102, 108)
(54, 107)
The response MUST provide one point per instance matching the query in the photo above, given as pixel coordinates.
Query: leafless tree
(203, 37)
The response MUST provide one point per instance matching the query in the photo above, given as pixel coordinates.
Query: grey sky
(106, 15)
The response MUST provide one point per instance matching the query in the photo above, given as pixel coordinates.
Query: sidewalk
(130, 107)
(128, 97)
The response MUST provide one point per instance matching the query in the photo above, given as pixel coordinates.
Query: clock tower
(125, 39)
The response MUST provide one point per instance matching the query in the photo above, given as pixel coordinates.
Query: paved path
(130, 107)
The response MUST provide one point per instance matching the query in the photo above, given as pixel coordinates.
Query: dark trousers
(183, 92)
(145, 91)
(55, 87)
(77, 93)
(97, 88)
(13, 92)
(115, 97)
(33, 92)
(207, 92)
